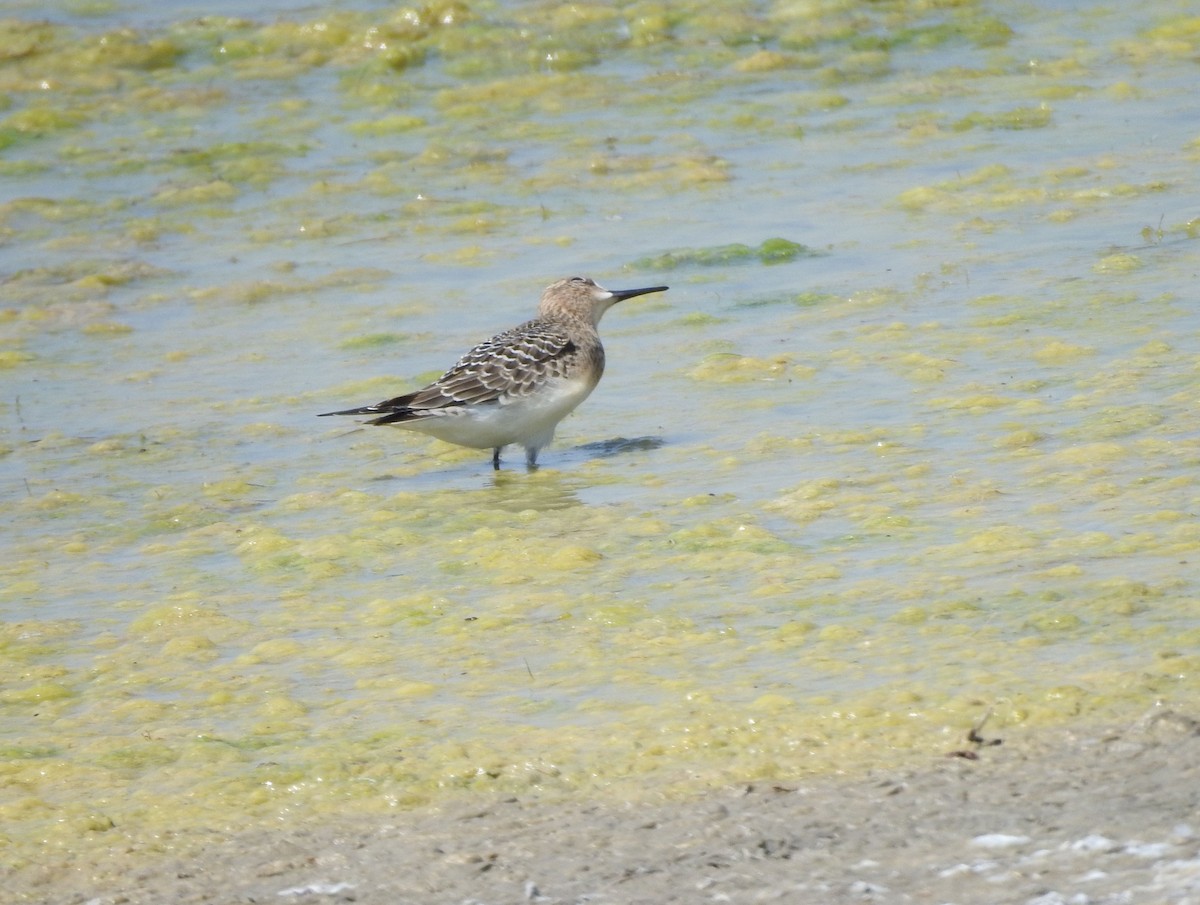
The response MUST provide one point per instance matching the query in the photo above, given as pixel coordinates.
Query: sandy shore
(1079, 818)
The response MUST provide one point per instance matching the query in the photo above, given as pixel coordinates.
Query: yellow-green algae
(769, 251)
(678, 735)
(213, 621)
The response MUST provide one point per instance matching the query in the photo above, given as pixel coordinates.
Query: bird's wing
(510, 365)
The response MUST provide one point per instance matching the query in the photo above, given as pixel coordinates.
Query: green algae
(256, 163)
(770, 251)
(909, 501)
(1118, 263)
(730, 367)
(1017, 118)
(14, 358)
(36, 122)
(206, 198)
(374, 340)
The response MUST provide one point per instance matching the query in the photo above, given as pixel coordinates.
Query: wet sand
(1083, 817)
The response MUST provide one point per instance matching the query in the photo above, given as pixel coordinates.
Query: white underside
(529, 421)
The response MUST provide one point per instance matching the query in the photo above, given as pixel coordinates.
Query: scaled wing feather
(511, 364)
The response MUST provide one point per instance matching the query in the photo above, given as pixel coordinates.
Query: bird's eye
(583, 280)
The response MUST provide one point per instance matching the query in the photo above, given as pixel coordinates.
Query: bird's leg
(531, 457)
(496, 458)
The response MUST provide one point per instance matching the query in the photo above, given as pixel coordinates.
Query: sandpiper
(516, 386)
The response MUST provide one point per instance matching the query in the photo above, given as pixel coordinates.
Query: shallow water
(938, 461)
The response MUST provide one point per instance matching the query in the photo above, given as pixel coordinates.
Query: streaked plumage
(516, 386)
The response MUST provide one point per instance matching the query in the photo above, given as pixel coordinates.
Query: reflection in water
(520, 491)
(619, 446)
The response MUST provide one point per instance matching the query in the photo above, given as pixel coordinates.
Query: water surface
(910, 439)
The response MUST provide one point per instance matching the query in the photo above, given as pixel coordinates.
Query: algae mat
(909, 441)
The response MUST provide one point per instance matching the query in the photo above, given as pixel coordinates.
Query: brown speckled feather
(510, 365)
(516, 386)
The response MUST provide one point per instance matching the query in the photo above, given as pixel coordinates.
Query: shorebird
(516, 386)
